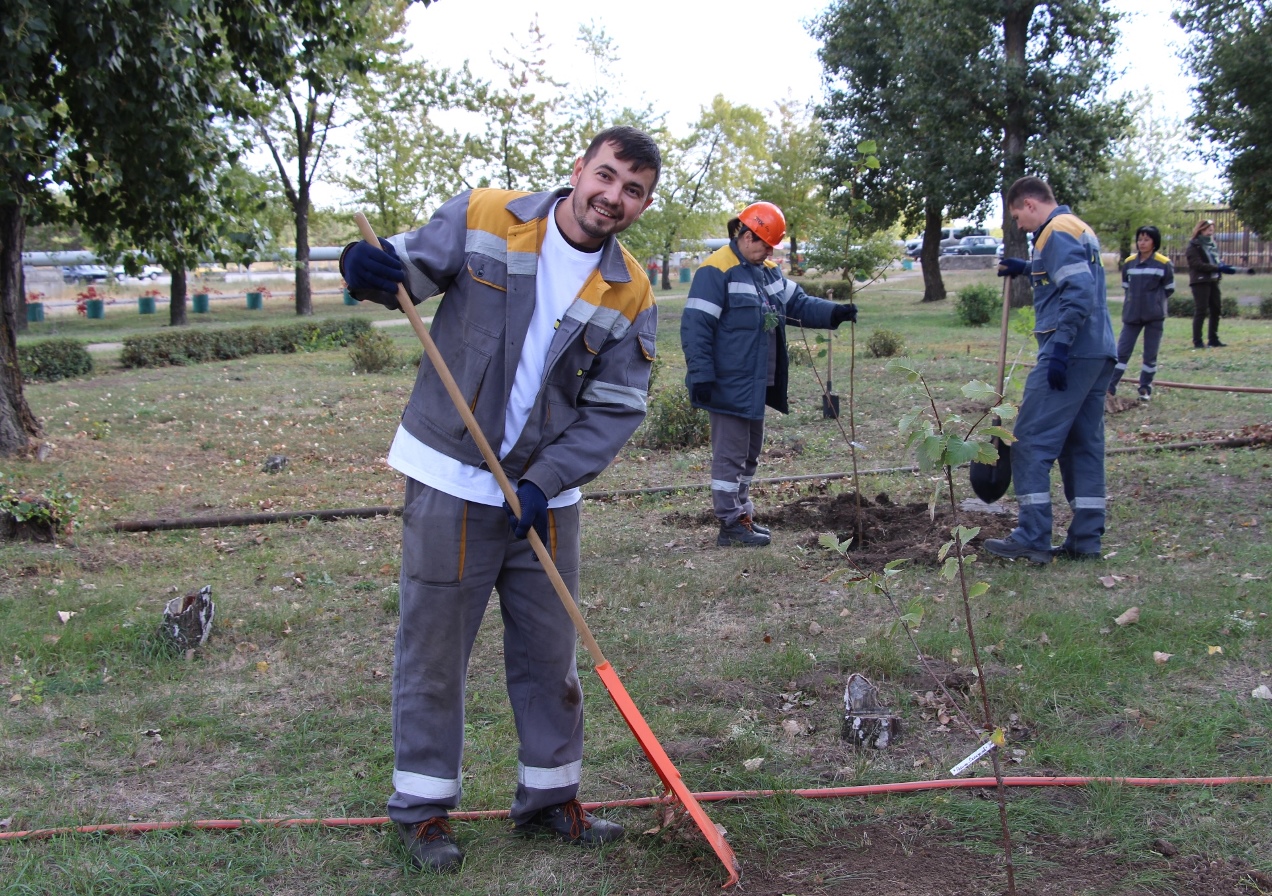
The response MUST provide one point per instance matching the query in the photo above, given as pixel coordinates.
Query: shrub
(885, 344)
(977, 304)
(672, 422)
(1229, 307)
(373, 352)
(32, 517)
(1182, 306)
(54, 359)
(1265, 308)
(842, 289)
(195, 346)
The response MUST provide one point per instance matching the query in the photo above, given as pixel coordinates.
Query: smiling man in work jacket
(733, 333)
(1062, 412)
(547, 325)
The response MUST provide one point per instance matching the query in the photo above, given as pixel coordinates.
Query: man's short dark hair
(1029, 187)
(634, 146)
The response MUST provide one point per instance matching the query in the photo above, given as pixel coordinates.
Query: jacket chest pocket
(485, 294)
(743, 312)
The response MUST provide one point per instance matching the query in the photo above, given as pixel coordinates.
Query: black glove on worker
(367, 268)
(843, 313)
(702, 392)
(534, 511)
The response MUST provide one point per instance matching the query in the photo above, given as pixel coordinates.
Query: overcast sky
(678, 55)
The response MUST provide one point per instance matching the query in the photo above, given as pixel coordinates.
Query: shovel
(627, 709)
(990, 481)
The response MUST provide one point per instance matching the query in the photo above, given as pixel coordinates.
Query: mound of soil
(889, 531)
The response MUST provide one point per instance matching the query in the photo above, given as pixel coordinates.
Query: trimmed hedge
(1182, 306)
(181, 347)
(54, 359)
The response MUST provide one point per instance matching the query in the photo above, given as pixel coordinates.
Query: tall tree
(792, 177)
(1055, 69)
(707, 176)
(916, 77)
(1230, 54)
(1142, 185)
(404, 163)
(298, 116)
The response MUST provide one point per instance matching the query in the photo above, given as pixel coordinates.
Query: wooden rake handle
(492, 460)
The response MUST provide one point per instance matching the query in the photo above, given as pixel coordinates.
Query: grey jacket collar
(539, 205)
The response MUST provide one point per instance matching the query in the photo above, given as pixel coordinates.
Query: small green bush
(842, 289)
(977, 304)
(1265, 308)
(673, 422)
(195, 346)
(1182, 306)
(373, 352)
(54, 359)
(883, 343)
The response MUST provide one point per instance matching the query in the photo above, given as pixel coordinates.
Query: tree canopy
(1230, 54)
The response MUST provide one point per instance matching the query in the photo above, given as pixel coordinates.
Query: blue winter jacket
(725, 339)
(1070, 299)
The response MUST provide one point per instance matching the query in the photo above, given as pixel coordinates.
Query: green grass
(285, 712)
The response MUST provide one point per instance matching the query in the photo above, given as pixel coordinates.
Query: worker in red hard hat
(733, 333)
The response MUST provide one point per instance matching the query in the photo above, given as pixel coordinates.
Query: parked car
(149, 272)
(973, 245)
(85, 273)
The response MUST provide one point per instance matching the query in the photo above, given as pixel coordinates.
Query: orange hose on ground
(143, 827)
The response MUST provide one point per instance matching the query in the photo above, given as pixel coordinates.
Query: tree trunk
(18, 426)
(177, 298)
(304, 295)
(666, 271)
(930, 259)
(1015, 36)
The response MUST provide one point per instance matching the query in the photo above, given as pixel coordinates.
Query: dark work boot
(1010, 549)
(570, 823)
(431, 845)
(743, 532)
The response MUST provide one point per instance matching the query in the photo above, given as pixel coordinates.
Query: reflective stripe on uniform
(1072, 270)
(1035, 498)
(425, 786)
(487, 244)
(611, 393)
(720, 485)
(1088, 503)
(744, 289)
(704, 306)
(550, 778)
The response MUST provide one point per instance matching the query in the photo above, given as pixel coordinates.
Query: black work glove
(367, 268)
(701, 392)
(1012, 267)
(1227, 269)
(1058, 367)
(843, 313)
(534, 511)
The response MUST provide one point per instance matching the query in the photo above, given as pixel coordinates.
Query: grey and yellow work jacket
(1070, 299)
(733, 332)
(1147, 285)
(482, 250)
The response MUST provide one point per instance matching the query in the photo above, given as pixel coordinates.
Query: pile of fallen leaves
(1254, 434)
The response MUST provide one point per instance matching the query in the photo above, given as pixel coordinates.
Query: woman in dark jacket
(1205, 270)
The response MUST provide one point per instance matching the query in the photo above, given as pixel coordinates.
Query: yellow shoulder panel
(1128, 259)
(722, 259)
(488, 210)
(1157, 256)
(1070, 224)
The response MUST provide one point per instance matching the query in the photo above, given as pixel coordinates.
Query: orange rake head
(662, 764)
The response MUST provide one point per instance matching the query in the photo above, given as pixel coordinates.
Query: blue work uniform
(1070, 308)
(1147, 285)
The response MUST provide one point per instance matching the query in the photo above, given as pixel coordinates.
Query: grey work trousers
(735, 453)
(1152, 330)
(454, 553)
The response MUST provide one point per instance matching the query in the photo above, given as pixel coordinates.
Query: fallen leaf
(1160, 658)
(64, 616)
(1110, 581)
(262, 666)
(1130, 617)
(844, 612)
(753, 764)
(1262, 692)
(1211, 651)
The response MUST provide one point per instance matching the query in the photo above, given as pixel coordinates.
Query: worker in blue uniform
(1062, 413)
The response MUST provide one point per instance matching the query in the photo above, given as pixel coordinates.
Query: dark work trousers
(1126, 345)
(454, 553)
(1206, 303)
(1065, 429)
(735, 451)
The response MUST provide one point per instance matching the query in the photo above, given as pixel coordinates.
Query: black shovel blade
(991, 481)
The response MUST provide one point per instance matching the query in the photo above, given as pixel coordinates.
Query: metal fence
(1239, 245)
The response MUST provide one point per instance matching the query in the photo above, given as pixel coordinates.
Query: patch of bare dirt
(888, 531)
(917, 857)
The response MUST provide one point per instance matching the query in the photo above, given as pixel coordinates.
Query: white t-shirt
(562, 271)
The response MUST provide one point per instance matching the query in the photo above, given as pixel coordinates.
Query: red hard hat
(765, 220)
